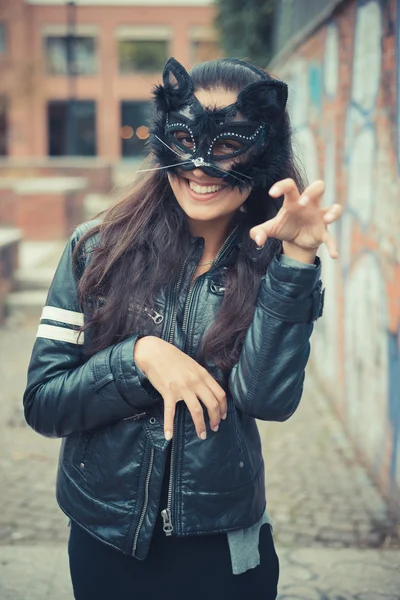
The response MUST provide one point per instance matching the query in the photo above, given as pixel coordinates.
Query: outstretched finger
(313, 193)
(287, 188)
(169, 415)
(330, 243)
(332, 213)
(260, 233)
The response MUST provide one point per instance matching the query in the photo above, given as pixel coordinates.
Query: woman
(169, 327)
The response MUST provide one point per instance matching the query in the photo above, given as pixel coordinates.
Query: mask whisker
(166, 145)
(227, 173)
(186, 162)
(241, 174)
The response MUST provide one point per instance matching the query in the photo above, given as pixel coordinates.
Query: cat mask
(186, 135)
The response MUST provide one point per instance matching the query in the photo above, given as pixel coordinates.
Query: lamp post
(71, 74)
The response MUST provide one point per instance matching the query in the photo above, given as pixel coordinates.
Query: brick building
(77, 76)
(75, 84)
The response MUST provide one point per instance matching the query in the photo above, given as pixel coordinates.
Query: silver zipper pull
(166, 516)
(217, 289)
(155, 316)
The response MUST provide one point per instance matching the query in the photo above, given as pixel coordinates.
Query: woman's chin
(206, 213)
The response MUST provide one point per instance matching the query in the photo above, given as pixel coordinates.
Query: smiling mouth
(203, 189)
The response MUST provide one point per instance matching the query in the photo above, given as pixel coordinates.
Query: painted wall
(345, 108)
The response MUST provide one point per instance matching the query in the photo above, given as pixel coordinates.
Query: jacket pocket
(82, 459)
(238, 439)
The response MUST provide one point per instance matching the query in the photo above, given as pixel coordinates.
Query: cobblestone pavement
(318, 494)
(27, 461)
(333, 574)
(317, 491)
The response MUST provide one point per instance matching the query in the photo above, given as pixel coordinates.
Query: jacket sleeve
(66, 393)
(267, 381)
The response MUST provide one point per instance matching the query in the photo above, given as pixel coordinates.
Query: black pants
(198, 568)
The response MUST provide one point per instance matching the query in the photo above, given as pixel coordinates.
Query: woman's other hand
(302, 222)
(178, 377)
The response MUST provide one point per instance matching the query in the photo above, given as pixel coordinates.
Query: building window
(203, 44)
(134, 127)
(71, 128)
(201, 51)
(2, 38)
(66, 54)
(142, 56)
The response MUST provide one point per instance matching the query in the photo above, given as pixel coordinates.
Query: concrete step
(37, 255)
(125, 171)
(28, 303)
(38, 278)
(93, 204)
(38, 262)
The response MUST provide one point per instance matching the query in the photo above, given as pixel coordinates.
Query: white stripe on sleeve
(51, 332)
(63, 316)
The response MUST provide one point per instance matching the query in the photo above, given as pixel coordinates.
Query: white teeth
(204, 189)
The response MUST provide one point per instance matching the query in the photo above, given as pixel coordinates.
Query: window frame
(63, 102)
(126, 110)
(143, 71)
(143, 33)
(198, 34)
(63, 35)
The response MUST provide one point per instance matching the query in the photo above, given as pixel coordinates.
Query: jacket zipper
(167, 512)
(190, 295)
(175, 313)
(146, 501)
(146, 498)
(154, 315)
(157, 318)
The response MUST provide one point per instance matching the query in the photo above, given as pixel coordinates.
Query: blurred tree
(246, 28)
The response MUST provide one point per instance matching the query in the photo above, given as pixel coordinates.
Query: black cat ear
(260, 98)
(176, 88)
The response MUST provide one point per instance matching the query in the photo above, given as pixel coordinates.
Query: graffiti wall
(345, 107)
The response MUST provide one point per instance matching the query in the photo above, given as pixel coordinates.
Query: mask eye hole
(226, 147)
(184, 139)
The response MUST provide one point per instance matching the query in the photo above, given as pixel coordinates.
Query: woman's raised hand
(301, 222)
(178, 377)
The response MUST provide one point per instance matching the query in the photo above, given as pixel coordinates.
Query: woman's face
(205, 198)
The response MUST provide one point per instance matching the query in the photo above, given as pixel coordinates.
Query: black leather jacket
(113, 453)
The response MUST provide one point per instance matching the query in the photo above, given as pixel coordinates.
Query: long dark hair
(144, 239)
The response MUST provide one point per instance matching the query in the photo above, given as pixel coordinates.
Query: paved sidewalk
(41, 573)
(335, 537)
(318, 493)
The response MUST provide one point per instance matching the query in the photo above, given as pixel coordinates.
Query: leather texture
(114, 453)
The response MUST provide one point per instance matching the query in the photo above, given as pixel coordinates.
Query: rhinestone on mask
(247, 138)
(170, 126)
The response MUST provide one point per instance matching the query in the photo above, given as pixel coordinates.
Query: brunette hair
(144, 239)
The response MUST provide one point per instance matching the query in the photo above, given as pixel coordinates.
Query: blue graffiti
(394, 399)
(315, 85)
